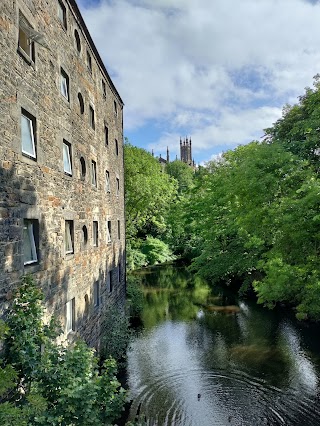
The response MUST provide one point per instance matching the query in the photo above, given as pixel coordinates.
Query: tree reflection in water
(251, 366)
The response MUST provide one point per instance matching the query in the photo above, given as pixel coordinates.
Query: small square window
(69, 237)
(62, 14)
(64, 84)
(91, 117)
(106, 135)
(67, 165)
(28, 130)
(104, 89)
(116, 146)
(108, 181)
(115, 107)
(95, 233)
(89, 62)
(108, 231)
(119, 230)
(30, 241)
(25, 42)
(117, 187)
(96, 294)
(71, 315)
(94, 173)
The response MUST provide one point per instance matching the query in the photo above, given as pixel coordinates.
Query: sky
(218, 71)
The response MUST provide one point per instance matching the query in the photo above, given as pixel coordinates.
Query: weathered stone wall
(40, 189)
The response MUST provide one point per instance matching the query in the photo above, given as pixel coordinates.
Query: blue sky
(219, 71)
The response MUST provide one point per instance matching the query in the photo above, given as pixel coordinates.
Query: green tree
(149, 192)
(45, 383)
(183, 174)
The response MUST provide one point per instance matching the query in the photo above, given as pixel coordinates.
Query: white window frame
(93, 173)
(64, 84)
(28, 226)
(69, 237)
(66, 149)
(30, 129)
(27, 32)
(109, 232)
(70, 316)
(108, 187)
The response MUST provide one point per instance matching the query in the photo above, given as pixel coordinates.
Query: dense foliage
(149, 194)
(44, 383)
(256, 212)
(253, 217)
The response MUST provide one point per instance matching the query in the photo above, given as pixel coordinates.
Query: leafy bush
(134, 296)
(44, 383)
(156, 251)
(115, 335)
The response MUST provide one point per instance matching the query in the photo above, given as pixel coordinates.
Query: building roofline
(76, 10)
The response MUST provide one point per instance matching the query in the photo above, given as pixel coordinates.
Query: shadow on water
(207, 358)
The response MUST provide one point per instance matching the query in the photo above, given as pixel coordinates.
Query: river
(206, 358)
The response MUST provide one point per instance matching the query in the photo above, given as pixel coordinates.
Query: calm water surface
(197, 363)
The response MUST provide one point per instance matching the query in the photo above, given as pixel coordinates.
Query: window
(69, 236)
(62, 14)
(109, 282)
(104, 89)
(83, 168)
(30, 241)
(115, 107)
(71, 315)
(91, 117)
(94, 173)
(116, 146)
(106, 135)
(119, 230)
(64, 84)
(107, 181)
(81, 103)
(108, 231)
(89, 62)
(95, 235)
(84, 235)
(28, 131)
(119, 272)
(117, 187)
(96, 294)
(25, 42)
(67, 167)
(78, 42)
(86, 305)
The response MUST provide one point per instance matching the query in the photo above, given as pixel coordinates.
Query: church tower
(186, 151)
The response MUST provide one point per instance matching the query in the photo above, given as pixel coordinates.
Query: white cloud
(218, 68)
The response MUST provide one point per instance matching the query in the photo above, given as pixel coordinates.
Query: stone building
(61, 165)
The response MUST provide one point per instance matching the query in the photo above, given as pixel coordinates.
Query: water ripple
(226, 397)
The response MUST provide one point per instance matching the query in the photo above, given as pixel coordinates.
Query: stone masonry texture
(38, 189)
